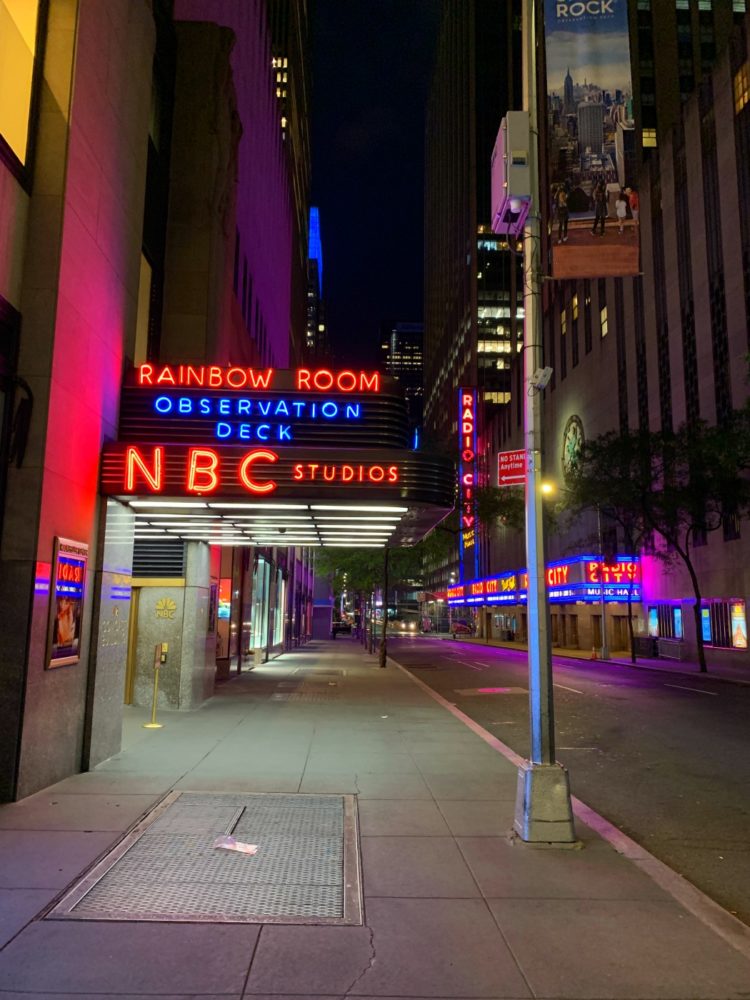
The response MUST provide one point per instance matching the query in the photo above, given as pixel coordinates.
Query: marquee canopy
(243, 456)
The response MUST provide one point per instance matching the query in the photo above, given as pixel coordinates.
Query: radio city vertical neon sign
(467, 482)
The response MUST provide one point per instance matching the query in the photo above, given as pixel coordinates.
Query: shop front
(229, 478)
(582, 592)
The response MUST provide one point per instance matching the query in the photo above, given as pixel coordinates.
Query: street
(664, 756)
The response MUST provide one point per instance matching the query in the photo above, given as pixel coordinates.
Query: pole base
(153, 725)
(543, 810)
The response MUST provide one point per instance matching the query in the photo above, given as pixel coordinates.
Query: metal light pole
(543, 808)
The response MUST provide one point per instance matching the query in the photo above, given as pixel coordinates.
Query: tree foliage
(679, 485)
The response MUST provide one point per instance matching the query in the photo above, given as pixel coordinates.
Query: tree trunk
(633, 657)
(696, 612)
(383, 639)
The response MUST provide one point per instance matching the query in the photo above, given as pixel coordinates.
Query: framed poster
(67, 591)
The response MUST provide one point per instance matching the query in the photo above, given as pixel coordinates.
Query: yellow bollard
(160, 656)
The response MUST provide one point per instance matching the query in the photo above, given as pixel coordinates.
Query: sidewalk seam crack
(370, 963)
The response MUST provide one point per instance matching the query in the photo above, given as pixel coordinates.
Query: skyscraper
(472, 285)
(569, 104)
(402, 356)
(590, 127)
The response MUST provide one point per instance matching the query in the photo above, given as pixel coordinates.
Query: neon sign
(136, 469)
(467, 466)
(235, 377)
(622, 571)
(574, 579)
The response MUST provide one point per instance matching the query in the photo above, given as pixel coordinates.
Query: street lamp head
(548, 488)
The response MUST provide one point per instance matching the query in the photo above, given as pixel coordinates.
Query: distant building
(625, 153)
(401, 356)
(569, 104)
(590, 127)
(473, 280)
(316, 337)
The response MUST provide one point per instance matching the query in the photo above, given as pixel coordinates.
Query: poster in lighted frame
(67, 592)
(738, 624)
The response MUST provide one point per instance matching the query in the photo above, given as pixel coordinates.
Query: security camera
(540, 378)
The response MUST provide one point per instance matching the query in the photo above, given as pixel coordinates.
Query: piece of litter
(230, 844)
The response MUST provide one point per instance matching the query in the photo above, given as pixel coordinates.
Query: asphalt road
(665, 757)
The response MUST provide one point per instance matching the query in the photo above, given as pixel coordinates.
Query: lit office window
(604, 321)
(18, 24)
(649, 137)
(741, 87)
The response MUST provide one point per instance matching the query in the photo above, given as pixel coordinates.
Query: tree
(680, 484)
(610, 477)
(505, 504)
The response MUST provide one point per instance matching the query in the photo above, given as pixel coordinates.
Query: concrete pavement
(453, 907)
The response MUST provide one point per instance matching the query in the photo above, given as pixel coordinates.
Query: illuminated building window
(18, 31)
(497, 397)
(649, 137)
(604, 322)
(574, 307)
(741, 87)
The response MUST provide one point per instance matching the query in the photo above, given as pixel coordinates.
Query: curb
(719, 920)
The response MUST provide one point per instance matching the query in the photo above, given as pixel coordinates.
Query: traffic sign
(511, 468)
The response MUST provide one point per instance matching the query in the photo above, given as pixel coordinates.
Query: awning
(243, 457)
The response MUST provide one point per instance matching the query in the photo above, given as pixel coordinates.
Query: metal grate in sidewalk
(306, 869)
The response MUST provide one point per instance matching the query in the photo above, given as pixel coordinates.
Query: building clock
(572, 443)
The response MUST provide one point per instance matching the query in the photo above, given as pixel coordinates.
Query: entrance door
(621, 637)
(596, 624)
(132, 657)
(573, 631)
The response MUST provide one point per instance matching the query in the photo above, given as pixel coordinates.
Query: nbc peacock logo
(165, 607)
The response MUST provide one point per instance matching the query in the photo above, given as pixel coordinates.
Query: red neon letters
(619, 572)
(318, 472)
(346, 381)
(210, 376)
(201, 473)
(246, 468)
(202, 463)
(135, 463)
(235, 377)
(467, 474)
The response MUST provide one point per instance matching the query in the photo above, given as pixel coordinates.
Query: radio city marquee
(579, 579)
(197, 430)
(467, 481)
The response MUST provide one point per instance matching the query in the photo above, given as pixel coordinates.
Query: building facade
(402, 357)
(653, 352)
(472, 278)
(146, 213)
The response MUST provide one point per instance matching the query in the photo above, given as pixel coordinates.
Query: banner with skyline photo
(591, 140)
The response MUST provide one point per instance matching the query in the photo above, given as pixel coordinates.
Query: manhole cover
(306, 869)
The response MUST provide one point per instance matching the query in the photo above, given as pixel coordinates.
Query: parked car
(460, 628)
(341, 628)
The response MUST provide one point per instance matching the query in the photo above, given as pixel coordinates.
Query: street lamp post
(543, 807)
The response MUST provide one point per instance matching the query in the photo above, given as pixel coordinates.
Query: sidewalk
(452, 907)
(736, 674)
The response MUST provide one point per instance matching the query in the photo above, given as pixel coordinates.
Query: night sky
(372, 62)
